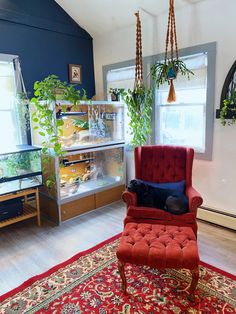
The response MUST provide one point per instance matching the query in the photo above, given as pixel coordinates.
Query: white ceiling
(100, 16)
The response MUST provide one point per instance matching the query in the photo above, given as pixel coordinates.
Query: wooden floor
(27, 250)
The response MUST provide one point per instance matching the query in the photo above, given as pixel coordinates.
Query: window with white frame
(122, 78)
(184, 121)
(11, 133)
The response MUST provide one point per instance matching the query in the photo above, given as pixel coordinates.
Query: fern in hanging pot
(168, 70)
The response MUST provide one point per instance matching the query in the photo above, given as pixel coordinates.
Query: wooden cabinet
(30, 206)
(109, 196)
(77, 207)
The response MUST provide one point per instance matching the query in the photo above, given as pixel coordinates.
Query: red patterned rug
(89, 283)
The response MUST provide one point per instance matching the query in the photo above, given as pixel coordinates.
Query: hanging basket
(169, 69)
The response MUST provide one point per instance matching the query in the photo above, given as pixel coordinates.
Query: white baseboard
(218, 217)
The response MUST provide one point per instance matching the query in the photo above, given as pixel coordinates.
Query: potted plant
(228, 110)
(163, 72)
(116, 93)
(139, 103)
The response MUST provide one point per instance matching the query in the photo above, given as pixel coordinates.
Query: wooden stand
(28, 210)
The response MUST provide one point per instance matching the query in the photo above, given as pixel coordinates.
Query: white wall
(207, 21)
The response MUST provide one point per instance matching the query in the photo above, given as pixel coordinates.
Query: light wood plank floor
(27, 250)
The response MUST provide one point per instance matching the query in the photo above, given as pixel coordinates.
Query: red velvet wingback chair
(163, 164)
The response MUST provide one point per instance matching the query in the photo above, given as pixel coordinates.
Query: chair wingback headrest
(162, 163)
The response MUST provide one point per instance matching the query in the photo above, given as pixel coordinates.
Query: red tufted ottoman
(160, 247)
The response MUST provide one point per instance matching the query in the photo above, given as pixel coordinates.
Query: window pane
(184, 96)
(183, 125)
(6, 128)
(7, 85)
(12, 113)
(184, 121)
(122, 78)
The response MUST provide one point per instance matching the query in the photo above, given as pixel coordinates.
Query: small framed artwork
(75, 73)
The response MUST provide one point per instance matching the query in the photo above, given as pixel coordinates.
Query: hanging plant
(172, 66)
(139, 100)
(139, 103)
(163, 73)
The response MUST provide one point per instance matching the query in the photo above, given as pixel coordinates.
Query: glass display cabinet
(83, 172)
(88, 124)
(20, 169)
(91, 172)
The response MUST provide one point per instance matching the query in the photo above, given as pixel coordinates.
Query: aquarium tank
(84, 172)
(90, 123)
(20, 168)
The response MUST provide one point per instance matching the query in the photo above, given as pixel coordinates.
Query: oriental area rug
(90, 283)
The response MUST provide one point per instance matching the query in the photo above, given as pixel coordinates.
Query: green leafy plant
(139, 102)
(229, 108)
(47, 92)
(163, 72)
(81, 123)
(116, 92)
(22, 161)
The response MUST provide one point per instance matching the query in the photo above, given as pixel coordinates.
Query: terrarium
(83, 172)
(90, 123)
(20, 168)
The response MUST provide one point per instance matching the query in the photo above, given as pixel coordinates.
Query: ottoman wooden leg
(194, 282)
(122, 275)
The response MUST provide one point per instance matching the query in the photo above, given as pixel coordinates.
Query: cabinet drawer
(77, 207)
(109, 196)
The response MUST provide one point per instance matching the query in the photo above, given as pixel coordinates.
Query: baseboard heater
(217, 217)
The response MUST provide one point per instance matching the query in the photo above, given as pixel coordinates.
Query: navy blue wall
(46, 40)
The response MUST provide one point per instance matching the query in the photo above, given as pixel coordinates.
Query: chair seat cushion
(158, 246)
(155, 213)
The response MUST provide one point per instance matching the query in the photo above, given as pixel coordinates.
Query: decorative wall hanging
(167, 71)
(228, 99)
(139, 100)
(75, 73)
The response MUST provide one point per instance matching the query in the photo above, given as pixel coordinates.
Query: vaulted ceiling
(100, 16)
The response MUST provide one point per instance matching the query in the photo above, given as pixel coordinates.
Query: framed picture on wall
(75, 73)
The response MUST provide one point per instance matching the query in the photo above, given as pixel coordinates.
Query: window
(122, 78)
(184, 121)
(189, 121)
(10, 124)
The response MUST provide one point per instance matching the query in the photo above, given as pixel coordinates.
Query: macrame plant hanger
(138, 82)
(171, 38)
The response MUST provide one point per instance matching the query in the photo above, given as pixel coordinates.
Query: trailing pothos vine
(47, 92)
(139, 103)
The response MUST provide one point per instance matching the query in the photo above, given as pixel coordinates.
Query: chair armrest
(194, 198)
(130, 198)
